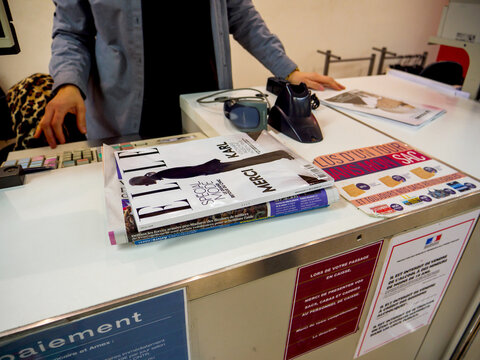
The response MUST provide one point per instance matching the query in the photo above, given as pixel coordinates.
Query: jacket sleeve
(248, 28)
(73, 41)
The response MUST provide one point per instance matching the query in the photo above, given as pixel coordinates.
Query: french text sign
(329, 298)
(417, 270)
(149, 329)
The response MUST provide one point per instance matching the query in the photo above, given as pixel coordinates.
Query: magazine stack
(159, 192)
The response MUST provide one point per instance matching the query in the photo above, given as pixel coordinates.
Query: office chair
(447, 72)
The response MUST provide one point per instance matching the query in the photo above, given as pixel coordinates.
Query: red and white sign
(329, 298)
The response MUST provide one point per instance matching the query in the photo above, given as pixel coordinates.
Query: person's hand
(314, 80)
(67, 100)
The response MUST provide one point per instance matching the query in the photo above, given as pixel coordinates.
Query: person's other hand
(67, 100)
(314, 80)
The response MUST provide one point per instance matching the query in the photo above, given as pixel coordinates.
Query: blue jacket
(98, 46)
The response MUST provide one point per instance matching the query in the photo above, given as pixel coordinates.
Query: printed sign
(150, 329)
(416, 273)
(329, 298)
(389, 179)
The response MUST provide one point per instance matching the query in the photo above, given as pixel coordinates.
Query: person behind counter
(120, 67)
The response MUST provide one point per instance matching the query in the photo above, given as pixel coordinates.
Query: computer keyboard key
(24, 162)
(9, 163)
(38, 158)
(68, 163)
(36, 164)
(83, 161)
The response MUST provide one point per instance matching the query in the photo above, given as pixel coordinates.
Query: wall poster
(329, 298)
(417, 270)
(155, 328)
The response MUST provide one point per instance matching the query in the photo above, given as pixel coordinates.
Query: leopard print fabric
(27, 100)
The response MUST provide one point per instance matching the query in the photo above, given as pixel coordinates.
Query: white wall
(349, 28)
(33, 24)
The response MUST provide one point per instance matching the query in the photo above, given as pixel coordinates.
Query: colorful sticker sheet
(393, 178)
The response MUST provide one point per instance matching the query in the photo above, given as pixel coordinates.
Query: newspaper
(180, 182)
(393, 178)
(379, 106)
(122, 228)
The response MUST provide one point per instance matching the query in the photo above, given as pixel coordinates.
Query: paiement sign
(417, 270)
(150, 329)
(329, 298)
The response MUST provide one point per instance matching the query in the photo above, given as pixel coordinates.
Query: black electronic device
(292, 114)
(248, 113)
(275, 85)
(11, 176)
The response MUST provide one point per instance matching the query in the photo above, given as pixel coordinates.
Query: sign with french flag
(433, 240)
(416, 273)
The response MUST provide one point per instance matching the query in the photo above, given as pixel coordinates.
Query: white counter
(55, 256)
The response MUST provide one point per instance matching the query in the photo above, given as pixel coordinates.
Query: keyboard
(81, 153)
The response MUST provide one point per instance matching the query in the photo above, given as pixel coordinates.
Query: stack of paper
(159, 192)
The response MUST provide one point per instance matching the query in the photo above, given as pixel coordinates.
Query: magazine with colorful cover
(390, 179)
(123, 230)
(128, 233)
(179, 182)
(371, 104)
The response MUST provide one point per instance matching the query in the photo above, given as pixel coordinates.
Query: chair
(447, 72)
